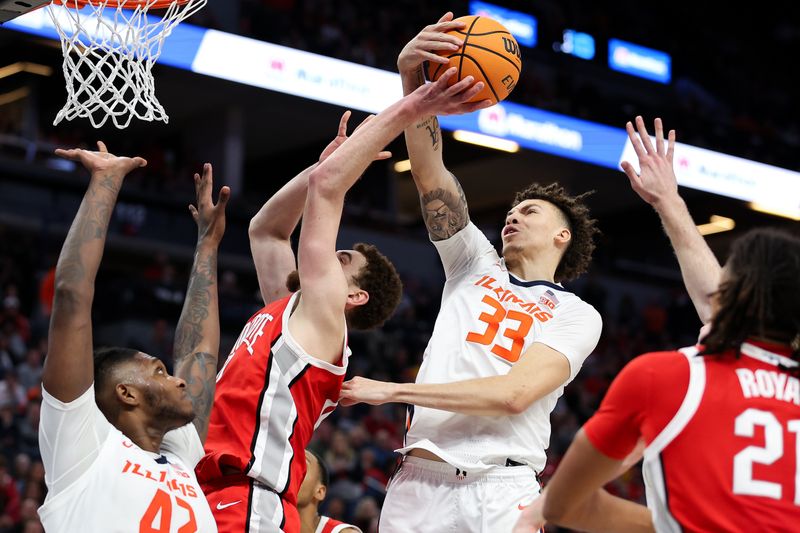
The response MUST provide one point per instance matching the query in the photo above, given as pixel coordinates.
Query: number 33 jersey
(487, 321)
(100, 481)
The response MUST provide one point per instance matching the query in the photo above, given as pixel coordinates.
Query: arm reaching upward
(272, 227)
(196, 346)
(68, 368)
(656, 184)
(325, 289)
(444, 207)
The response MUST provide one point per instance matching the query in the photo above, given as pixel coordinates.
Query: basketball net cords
(108, 58)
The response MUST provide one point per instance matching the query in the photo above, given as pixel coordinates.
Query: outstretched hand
(102, 160)
(363, 390)
(656, 179)
(209, 217)
(438, 99)
(341, 137)
(433, 38)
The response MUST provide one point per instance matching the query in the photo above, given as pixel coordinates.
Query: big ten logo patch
(252, 331)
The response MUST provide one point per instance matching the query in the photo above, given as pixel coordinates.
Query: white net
(109, 53)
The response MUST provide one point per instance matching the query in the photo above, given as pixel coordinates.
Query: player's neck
(529, 269)
(309, 518)
(140, 433)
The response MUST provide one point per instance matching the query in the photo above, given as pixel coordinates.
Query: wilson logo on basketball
(497, 62)
(511, 46)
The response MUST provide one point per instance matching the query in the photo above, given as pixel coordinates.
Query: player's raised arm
(656, 184)
(325, 290)
(196, 346)
(444, 206)
(272, 227)
(68, 368)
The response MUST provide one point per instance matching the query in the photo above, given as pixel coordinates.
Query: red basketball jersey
(722, 437)
(270, 397)
(331, 525)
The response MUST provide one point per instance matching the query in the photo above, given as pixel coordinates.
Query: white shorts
(433, 497)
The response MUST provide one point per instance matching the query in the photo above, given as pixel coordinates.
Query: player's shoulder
(665, 364)
(572, 306)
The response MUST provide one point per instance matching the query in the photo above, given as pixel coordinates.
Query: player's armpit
(444, 208)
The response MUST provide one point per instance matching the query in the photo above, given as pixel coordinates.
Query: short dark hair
(324, 473)
(382, 282)
(761, 292)
(106, 359)
(578, 255)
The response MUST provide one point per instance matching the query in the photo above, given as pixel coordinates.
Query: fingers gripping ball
(490, 54)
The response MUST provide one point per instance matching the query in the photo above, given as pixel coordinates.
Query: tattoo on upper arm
(445, 212)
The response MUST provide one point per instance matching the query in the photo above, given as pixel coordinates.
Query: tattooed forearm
(445, 211)
(431, 125)
(196, 344)
(83, 248)
(199, 370)
(189, 333)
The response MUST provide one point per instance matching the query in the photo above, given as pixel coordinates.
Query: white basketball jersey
(488, 319)
(98, 480)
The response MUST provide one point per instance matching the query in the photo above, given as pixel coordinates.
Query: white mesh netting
(109, 53)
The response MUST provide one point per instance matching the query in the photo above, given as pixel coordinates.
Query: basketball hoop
(109, 49)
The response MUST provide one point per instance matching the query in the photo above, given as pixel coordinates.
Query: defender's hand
(102, 161)
(656, 181)
(438, 99)
(341, 137)
(209, 217)
(363, 390)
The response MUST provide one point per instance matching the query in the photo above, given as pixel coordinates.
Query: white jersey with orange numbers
(99, 480)
(488, 319)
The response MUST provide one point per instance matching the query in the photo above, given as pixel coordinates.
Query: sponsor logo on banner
(497, 121)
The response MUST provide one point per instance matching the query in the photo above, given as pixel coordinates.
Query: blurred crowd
(140, 308)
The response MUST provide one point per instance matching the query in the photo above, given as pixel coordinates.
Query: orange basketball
(490, 54)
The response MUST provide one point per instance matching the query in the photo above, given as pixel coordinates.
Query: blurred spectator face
(335, 508)
(339, 444)
(27, 510)
(33, 527)
(37, 472)
(366, 510)
(359, 436)
(34, 358)
(22, 466)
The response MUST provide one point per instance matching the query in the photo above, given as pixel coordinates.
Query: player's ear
(127, 394)
(563, 236)
(357, 297)
(320, 492)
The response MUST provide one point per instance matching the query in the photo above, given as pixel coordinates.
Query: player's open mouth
(508, 230)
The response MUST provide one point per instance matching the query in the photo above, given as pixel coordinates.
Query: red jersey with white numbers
(271, 395)
(722, 437)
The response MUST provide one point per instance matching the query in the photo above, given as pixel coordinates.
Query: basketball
(490, 54)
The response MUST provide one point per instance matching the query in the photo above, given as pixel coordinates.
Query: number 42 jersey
(99, 480)
(487, 321)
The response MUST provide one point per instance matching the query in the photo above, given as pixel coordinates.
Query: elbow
(322, 183)
(553, 510)
(515, 403)
(71, 297)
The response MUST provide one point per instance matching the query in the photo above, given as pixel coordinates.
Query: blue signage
(521, 25)
(639, 61)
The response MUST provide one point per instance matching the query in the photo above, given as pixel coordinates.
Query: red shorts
(238, 501)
